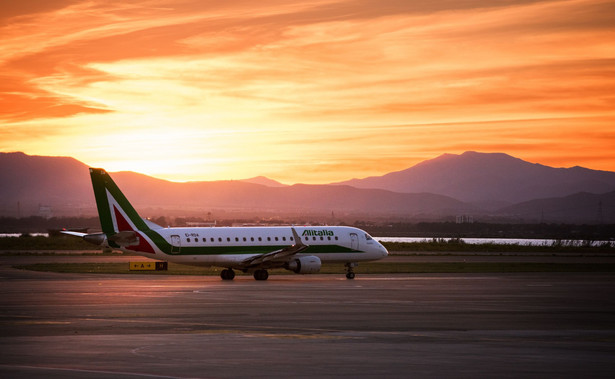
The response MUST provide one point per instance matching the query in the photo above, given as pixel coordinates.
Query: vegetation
(380, 227)
(37, 224)
(62, 242)
(596, 232)
(28, 242)
(459, 245)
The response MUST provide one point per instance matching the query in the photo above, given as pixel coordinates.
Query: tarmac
(410, 325)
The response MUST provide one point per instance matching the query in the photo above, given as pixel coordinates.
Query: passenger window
(314, 238)
(204, 239)
(212, 239)
(219, 239)
(307, 238)
(329, 238)
(188, 239)
(292, 238)
(283, 238)
(276, 238)
(260, 239)
(228, 239)
(336, 238)
(268, 238)
(236, 239)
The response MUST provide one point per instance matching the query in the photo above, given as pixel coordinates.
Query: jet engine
(304, 265)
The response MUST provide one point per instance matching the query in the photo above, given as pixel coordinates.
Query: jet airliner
(248, 249)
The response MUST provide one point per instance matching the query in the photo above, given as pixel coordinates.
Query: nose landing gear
(349, 269)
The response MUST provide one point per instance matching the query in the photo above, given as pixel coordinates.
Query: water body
(3, 235)
(498, 241)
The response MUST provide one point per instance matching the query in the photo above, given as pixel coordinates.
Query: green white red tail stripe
(116, 213)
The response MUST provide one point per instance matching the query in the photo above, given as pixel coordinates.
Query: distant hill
(490, 180)
(496, 186)
(264, 181)
(582, 207)
(64, 185)
(33, 182)
(298, 198)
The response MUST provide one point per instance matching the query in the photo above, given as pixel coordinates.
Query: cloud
(322, 84)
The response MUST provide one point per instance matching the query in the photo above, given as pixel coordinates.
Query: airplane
(300, 249)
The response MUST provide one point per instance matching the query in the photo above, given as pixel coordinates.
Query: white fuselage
(228, 246)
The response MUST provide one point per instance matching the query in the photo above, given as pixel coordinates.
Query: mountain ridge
(63, 183)
(481, 178)
(36, 187)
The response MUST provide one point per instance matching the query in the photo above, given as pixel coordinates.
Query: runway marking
(41, 323)
(92, 371)
(408, 278)
(221, 326)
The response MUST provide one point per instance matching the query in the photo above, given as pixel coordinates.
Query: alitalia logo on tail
(313, 232)
(117, 215)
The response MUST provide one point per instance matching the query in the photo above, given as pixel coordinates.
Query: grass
(364, 268)
(27, 242)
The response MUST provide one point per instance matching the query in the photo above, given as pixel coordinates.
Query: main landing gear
(349, 269)
(261, 274)
(227, 274)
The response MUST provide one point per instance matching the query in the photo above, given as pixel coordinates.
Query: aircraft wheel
(261, 274)
(349, 269)
(227, 274)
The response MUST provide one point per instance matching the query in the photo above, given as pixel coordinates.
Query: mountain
(264, 181)
(29, 182)
(583, 207)
(490, 180)
(447, 186)
(298, 198)
(63, 184)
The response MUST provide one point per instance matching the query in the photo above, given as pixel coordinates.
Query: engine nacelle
(304, 265)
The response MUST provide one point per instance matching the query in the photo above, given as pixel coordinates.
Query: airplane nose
(383, 251)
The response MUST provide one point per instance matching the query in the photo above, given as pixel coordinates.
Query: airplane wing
(125, 238)
(69, 232)
(281, 255)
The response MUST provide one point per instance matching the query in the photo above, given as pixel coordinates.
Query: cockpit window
(368, 237)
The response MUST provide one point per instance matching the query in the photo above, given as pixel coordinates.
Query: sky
(306, 91)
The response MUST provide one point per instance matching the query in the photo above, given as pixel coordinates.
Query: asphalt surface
(444, 325)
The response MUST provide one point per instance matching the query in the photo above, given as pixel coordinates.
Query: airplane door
(354, 241)
(176, 244)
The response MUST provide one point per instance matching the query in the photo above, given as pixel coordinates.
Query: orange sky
(311, 92)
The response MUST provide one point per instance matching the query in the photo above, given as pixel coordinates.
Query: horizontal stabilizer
(71, 233)
(95, 238)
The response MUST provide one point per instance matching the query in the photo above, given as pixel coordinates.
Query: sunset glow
(311, 92)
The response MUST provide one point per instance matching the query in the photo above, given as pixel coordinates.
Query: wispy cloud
(307, 91)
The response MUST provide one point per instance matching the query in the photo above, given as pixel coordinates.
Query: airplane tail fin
(114, 210)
